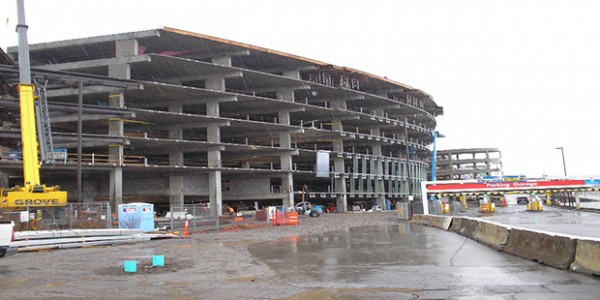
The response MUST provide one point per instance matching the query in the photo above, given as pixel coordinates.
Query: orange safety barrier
(238, 219)
(279, 218)
(292, 217)
(503, 202)
(484, 207)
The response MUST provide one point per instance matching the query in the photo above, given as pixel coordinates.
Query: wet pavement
(409, 261)
(335, 256)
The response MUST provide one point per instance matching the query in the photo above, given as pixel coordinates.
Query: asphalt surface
(551, 219)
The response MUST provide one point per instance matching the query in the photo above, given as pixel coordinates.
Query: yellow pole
(31, 168)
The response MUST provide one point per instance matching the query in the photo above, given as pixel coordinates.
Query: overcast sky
(518, 75)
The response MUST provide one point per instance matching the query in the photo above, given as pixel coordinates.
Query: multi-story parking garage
(222, 122)
(470, 163)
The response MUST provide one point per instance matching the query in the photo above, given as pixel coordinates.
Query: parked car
(7, 235)
(312, 210)
(522, 200)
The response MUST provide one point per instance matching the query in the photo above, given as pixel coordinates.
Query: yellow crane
(33, 193)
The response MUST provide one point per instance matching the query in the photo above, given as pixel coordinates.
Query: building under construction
(171, 117)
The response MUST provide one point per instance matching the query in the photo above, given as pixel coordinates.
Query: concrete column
(89, 190)
(116, 127)
(213, 132)
(341, 197)
(285, 142)
(176, 186)
(176, 183)
(378, 171)
(3, 180)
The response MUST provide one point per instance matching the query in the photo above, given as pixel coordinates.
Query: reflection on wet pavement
(407, 256)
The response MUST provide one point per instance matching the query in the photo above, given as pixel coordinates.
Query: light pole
(436, 135)
(562, 151)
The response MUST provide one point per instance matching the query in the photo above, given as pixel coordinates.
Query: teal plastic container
(130, 266)
(158, 261)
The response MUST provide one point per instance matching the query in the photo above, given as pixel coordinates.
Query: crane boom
(33, 193)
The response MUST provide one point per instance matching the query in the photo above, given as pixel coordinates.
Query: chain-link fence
(98, 215)
(200, 218)
(71, 216)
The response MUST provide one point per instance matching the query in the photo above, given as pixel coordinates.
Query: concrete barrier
(491, 234)
(464, 226)
(441, 222)
(419, 219)
(587, 258)
(552, 250)
(422, 219)
(562, 252)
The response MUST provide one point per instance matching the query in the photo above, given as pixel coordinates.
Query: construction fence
(98, 215)
(73, 216)
(200, 218)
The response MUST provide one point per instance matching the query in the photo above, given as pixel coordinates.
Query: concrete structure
(224, 122)
(472, 163)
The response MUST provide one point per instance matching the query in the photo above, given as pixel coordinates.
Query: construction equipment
(32, 194)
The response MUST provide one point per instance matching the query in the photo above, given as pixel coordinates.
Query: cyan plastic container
(130, 266)
(158, 261)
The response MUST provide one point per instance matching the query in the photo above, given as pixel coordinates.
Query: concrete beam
(261, 153)
(214, 99)
(220, 123)
(96, 63)
(269, 133)
(235, 53)
(91, 40)
(84, 118)
(271, 109)
(279, 70)
(86, 90)
(281, 88)
(354, 98)
(178, 80)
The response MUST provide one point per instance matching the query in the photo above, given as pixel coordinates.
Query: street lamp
(562, 151)
(436, 135)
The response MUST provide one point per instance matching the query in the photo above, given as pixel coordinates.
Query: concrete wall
(252, 186)
(195, 185)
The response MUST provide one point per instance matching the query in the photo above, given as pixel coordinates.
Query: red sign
(506, 185)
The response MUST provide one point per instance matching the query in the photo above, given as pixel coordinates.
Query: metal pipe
(408, 179)
(23, 51)
(79, 141)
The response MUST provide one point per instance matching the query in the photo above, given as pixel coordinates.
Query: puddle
(337, 255)
(397, 256)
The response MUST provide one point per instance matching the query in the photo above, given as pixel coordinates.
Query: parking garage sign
(505, 185)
